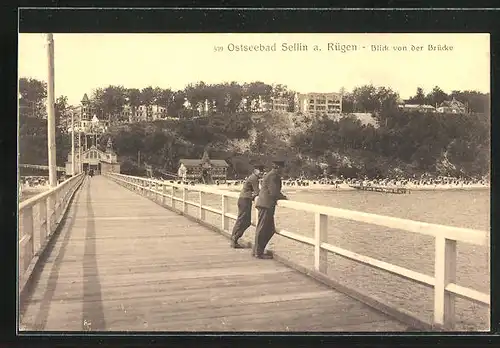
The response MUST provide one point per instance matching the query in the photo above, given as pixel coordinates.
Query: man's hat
(257, 165)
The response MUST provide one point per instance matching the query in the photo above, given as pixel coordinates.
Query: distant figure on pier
(181, 173)
(269, 194)
(248, 193)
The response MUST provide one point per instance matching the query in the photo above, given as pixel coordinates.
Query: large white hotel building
(322, 103)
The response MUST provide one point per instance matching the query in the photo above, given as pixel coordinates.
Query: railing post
(445, 265)
(29, 251)
(44, 228)
(224, 218)
(172, 194)
(57, 206)
(202, 203)
(163, 193)
(51, 212)
(184, 198)
(320, 236)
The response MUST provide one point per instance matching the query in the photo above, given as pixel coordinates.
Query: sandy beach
(344, 187)
(29, 192)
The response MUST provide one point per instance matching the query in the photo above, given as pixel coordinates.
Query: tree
(347, 101)
(419, 98)
(147, 96)
(387, 98)
(437, 96)
(133, 96)
(109, 102)
(196, 96)
(365, 99)
(164, 97)
(255, 90)
(33, 95)
(61, 107)
(235, 93)
(177, 106)
(147, 99)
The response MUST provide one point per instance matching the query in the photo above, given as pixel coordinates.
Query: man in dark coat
(270, 193)
(248, 193)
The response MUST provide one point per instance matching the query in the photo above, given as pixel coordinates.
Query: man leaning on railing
(270, 193)
(248, 193)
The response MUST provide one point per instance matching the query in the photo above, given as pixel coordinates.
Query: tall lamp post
(80, 163)
(72, 143)
(51, 121)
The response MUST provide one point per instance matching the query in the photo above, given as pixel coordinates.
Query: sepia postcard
(254, 182)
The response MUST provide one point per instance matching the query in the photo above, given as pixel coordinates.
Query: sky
(84, 62)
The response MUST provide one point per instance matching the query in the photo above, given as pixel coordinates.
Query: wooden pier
(114, 259)
(397, 190)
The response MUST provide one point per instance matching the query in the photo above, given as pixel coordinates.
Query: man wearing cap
(248, 193)
(270, 193)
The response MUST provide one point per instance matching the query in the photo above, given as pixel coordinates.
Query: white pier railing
(446, 238)
(39, 217)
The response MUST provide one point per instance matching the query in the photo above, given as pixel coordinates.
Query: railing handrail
(39, 166)
(35, 199)
(459, 234)
(51, 206)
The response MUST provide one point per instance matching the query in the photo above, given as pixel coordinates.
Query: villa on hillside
(323, 103)
(143, 113)
(452, 107)
(417, 107)
(86, 117)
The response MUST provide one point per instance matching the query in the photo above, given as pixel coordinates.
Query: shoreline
(345, 187)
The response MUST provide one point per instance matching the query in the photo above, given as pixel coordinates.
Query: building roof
(94, 148)
(321, 93)
(85, 98)
(199, 162)
(409, 106)
(416, 106)
(452, 103)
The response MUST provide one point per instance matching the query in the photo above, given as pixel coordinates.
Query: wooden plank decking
(123, 263)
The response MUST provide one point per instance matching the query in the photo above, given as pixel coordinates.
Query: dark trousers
(244, 219)
(265, 229)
